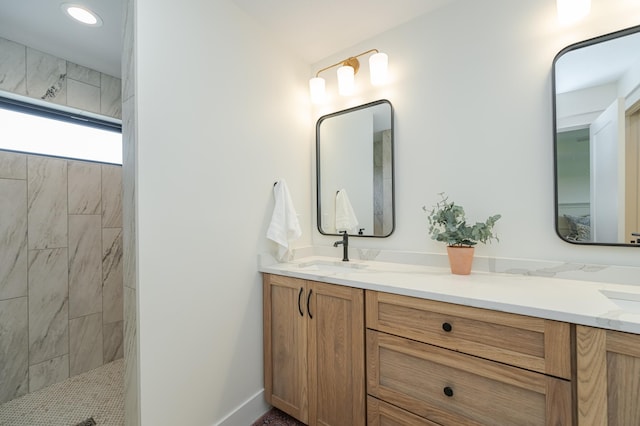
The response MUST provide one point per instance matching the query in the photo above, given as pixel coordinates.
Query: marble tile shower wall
(26, 71)
(129, 231)
(61, 285)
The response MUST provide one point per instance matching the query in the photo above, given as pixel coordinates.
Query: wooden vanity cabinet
(451, 365)
(608, 377)
(314, 350)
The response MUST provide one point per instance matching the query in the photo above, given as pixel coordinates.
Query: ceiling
(598, 64)
(311, 29)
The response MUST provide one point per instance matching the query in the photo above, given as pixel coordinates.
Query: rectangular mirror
(596, 115)
(354, 171)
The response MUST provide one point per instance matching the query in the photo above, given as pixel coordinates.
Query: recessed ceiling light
(82, 14)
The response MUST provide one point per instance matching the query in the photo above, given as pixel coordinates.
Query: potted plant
(447, 223)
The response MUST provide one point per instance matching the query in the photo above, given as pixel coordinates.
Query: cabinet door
(285, 345)
(608, 377)
(336, 355)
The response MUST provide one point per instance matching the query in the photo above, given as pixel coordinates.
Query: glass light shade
(378, 68)
(316, 90)
(572, 10)
(346, 85)
(82, 14)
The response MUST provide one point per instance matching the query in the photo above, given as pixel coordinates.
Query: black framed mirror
(596, 124)
(354, 171)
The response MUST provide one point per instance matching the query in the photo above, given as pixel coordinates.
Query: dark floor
(275, 417)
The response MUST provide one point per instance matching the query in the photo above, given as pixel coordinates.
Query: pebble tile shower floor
(96, 394)
(92, 398)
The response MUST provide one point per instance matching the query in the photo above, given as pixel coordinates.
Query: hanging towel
(284, 226)
(345, 216)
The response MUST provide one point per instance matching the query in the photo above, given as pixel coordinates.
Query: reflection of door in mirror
(586, 158)
(632, 166)
(606, 198)
(596, 86)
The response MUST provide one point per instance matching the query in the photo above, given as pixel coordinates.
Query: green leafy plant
(447, 223)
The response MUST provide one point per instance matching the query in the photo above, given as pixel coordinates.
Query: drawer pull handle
(448, 391)
(447, 327)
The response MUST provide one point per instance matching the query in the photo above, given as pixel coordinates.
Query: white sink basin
(330, 266)
(627, 301)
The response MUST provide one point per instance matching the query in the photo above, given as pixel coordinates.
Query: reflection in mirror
(354, 171)
(596, 87)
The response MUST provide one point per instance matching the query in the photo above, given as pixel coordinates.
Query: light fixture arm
(351, 61)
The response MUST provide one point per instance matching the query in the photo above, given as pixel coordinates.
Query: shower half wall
(61, 308)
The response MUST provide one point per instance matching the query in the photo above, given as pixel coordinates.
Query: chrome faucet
(345, 246)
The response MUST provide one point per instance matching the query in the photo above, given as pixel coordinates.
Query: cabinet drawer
(379, 413)
(532, 343)
(451, 388)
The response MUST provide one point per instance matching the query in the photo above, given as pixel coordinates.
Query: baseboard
(247, 412)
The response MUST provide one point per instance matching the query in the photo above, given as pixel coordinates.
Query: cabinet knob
(447, 327)
(448, 391)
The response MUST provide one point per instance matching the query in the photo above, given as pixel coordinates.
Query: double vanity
(389, 344)
(379, 343)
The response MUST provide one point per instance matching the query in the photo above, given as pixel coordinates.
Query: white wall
(222, 113)
(471, 89)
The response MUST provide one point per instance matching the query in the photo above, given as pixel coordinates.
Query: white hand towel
(284, 226)
(345, 216)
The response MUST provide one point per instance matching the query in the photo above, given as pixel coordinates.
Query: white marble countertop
(579, 302)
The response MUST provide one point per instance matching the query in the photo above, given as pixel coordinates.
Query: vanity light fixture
(347, 69)
(572, 10)
(81, 14)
